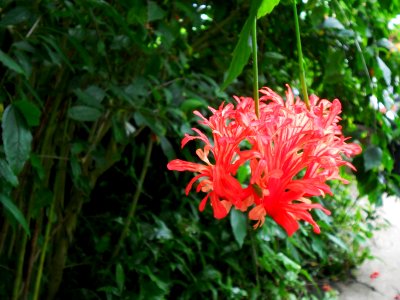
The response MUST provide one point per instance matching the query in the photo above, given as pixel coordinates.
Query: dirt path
(379, 279)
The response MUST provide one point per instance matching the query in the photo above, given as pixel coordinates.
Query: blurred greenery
(95, 97)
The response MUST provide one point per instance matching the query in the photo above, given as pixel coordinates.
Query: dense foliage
(95, 98)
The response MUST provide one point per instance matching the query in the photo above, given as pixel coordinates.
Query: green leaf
(15, 16)
(92, 96)
(36, 164)
(164, 286)
(332, 23)
(7, 173)
(387, 74)
(167, 148)
(137, 14)
(83, 53)
(274, 56)
(243, 173)
(318, 247)
(154, 12)
(242, 50)
(385, 43)
(338, 241)
(372, 157)
(43, 198)
(192, 104)
(10, 63)
(15, 212)
(288, 263)
(239, 226)
(161, 231)
(148, 118)
(266, 7)
(120, 277)
(333, 67)
(17, 138)
(84, 113)
(30, 112)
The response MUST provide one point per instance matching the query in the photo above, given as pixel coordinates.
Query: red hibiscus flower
(292, 151)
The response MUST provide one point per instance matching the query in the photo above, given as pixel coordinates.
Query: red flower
(291, 151)
(218, 180)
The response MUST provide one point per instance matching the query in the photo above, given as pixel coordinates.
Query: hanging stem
(255, 66)
(300, 52)
(135, 200)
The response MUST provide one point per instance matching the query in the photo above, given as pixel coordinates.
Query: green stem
(255, 66)
(20, 265)
(300, 52)
(138, 191)
(43, 253)
(254, 257)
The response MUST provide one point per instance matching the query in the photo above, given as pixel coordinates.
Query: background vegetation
(95, 97)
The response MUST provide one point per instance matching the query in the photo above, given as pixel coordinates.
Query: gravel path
(379, 279)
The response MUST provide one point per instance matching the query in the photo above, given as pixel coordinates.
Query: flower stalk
(300, 53)
(255, 66)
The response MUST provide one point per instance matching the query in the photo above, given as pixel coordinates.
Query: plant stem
(3, 234)
(254, 257)
(20, 265)
(300, 52)
(32, 258)
(44, 250)
(138, 191)
(255, 66)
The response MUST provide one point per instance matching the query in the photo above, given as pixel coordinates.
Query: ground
(379, 278)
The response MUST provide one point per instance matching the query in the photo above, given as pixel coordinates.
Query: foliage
(90, 87)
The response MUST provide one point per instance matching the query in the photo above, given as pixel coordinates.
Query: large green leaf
(266, 7)
(17, 138)
(239, 226)
(242, 50)
(15, 212)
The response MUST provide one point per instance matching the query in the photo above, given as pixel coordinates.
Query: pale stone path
(386, 248)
